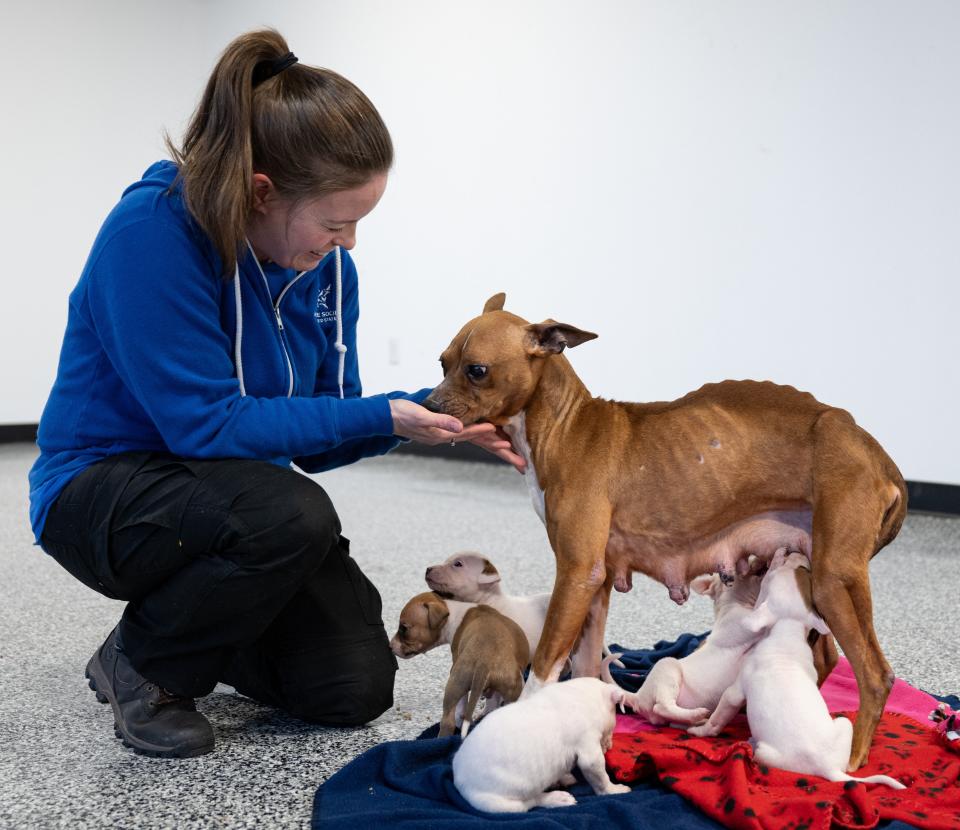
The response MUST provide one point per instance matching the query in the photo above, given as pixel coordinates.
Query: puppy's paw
(704, 730)
(556, 798)
(616, 789)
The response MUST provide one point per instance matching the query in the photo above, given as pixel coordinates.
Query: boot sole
(138, 746)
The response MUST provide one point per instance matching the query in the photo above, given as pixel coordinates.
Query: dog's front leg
(578, 534)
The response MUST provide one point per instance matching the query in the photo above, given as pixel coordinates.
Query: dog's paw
(557, 798)
(703, 730)
(616, 789)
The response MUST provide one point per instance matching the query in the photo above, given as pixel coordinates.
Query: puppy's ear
(437, 613)
(760, 619)
(704, 584)
(489, 575)
(495, 303)
(551, 337)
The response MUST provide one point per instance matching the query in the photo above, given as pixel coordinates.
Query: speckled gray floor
(60, 765)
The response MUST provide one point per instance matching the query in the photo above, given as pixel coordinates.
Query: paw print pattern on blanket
(722, 778)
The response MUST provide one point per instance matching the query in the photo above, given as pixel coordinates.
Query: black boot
(147, 718)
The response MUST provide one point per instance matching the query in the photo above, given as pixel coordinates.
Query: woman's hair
(309, 129)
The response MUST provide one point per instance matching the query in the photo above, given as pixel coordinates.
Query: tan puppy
(678, 489)
(470, 577)
(489, 653)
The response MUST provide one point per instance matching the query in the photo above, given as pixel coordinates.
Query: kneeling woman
(211, 340)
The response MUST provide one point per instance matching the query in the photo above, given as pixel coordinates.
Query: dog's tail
(613, 659)
(895, 513)
(481, 679)
(874, 779)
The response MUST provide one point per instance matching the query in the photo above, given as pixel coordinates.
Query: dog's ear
(437, 613)
(495, 303)
(489, 575)
(551, 337)
(705, 584)
(760, 619)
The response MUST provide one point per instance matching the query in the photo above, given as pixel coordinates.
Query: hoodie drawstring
(339, 344)
(238, 337)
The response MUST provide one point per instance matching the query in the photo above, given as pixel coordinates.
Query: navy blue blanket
(409, 784)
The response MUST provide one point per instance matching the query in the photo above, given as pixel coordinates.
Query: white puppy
(687, 690)
(470, 577)
(789, 720)
(514, 754)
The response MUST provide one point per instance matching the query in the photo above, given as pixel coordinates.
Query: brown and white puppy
(471, 577)
(680, 488)
(489, 652)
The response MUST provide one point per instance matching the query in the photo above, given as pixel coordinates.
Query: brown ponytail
(309, 129)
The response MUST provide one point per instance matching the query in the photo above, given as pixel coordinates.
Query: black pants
(234, 571)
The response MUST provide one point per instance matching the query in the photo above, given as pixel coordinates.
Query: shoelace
(165, 697)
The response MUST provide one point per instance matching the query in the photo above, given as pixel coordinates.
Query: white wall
(739, 189)
(86, 90)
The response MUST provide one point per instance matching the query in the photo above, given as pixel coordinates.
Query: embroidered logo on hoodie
(323, 312)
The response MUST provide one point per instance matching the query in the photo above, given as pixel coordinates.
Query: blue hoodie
(148, 360)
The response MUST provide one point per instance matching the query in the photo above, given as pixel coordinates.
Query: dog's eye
(402, 629)
(476, 371)
(458, 564)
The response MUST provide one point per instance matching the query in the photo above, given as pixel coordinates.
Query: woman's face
(299, 235)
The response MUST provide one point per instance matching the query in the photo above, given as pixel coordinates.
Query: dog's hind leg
(495, 803)
(592, 765)
(857, 501)
(454, 695)
(555, 798)
(666, 680)
(730, 703)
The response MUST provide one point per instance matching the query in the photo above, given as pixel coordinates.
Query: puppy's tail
(874, 779)
(613, 659)
(477, 685)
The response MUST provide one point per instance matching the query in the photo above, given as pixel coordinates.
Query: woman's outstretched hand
(410, 420)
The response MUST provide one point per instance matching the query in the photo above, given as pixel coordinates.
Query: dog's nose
(430, 402)
(427, 574)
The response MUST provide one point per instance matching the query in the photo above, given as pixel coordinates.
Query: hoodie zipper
(276, 313)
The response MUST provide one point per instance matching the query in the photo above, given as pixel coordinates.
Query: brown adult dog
(677, 489)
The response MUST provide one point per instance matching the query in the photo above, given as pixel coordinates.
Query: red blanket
(720, 776)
